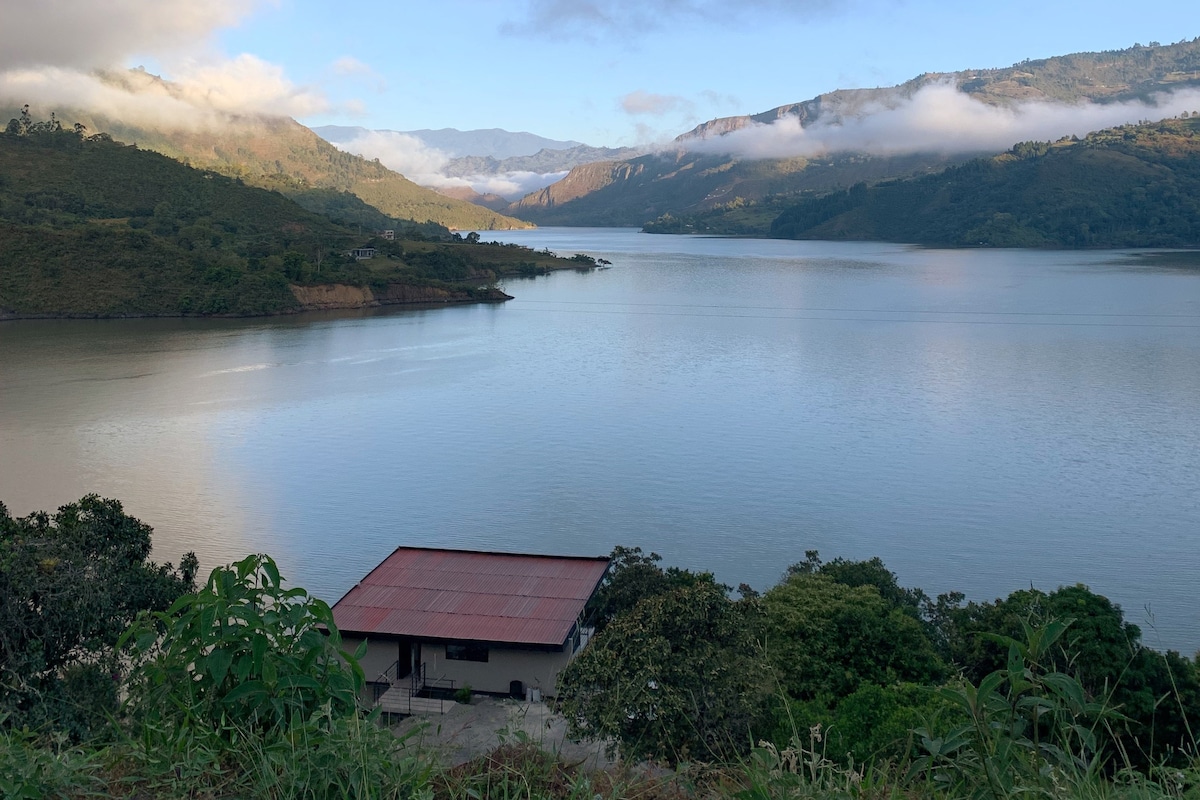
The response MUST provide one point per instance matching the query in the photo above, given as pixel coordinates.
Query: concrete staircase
(399, 700)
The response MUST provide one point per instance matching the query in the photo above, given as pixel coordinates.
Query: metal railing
(386, 680)
(435, 689)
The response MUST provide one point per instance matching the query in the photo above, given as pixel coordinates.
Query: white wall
(380, 654)
(533, 668)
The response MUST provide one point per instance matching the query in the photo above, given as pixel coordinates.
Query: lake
(982, 420)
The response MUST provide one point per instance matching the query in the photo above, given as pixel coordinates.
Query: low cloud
(648, 103)
(205, 95)
(247, 85)
(426, 165)
(134, 97)
(68, 55)
(939, 118)
(513, 185)
(84, 34)
(401, 153)
(588, 18)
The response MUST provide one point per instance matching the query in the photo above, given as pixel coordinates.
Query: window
(466, 652)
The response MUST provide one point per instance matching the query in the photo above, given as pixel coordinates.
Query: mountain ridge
(1106, 76)
(1131, 186)
(272, 152)
(454, 143)
(618, 192)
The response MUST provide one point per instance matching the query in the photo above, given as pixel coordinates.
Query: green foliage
(243, 653)
(70, 583)
(862, 573)
(279, 154)
(826, 639)
(1134, 186)
(694, 192)
(631, 578)
(1029, 730)
(1156, 693)
(678, 677)
(347, 209)
(33, 768)
(241, 690)
(95, 228)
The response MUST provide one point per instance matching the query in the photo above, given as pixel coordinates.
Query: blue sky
(622, 73)
(605, 72)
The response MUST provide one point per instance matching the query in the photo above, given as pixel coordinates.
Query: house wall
(533, 668)
(380, 655)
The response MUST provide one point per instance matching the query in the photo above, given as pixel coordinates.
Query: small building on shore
(500, 623)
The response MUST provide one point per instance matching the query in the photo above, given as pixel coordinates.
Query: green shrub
(242, 653)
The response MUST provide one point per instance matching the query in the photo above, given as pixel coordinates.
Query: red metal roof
(465, 594)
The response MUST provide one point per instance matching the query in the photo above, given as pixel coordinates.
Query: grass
(354, 757)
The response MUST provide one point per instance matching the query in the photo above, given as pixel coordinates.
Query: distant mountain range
(541, 162)
(477, 164)
(494, 142)
(715, 168)
(636, 191)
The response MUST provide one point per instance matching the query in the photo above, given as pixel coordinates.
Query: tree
(1156, 693)
(634, 576)
(862, 573)
(70, 584)
(826, 639)
(677, 677)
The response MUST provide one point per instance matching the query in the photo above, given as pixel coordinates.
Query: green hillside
(93, 227)
(278, 153)
(630, 193)
(695, 190)
(1133, 186)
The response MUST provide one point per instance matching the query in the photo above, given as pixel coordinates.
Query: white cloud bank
(85, 34)
(426, 165)
(939, 118)
(60, 54)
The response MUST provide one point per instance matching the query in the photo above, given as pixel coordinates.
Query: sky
(615, 73)
(605, 72)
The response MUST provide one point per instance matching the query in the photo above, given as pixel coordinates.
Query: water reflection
(981, 420)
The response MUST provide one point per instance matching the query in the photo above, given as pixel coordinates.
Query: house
(390, 235)
(437, 619)
(361, 253)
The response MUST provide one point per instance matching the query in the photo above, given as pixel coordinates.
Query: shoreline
(322, 297)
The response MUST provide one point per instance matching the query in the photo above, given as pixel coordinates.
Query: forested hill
(281, 154)
(1133, 186)
(629, 193)
(93, 227)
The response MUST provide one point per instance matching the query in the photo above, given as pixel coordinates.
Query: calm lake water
(981, 420)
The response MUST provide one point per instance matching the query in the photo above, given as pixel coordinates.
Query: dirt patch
(470, 731)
